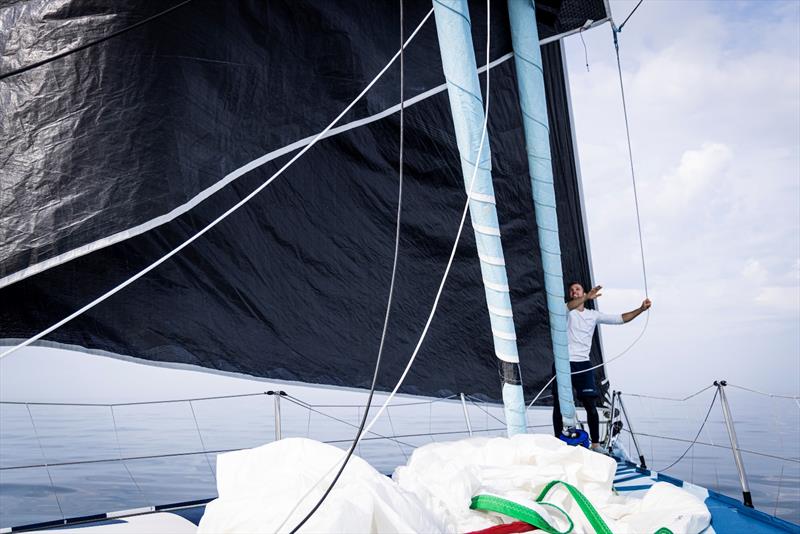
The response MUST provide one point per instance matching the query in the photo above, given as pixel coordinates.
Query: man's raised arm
(580, 301)
(631, 315)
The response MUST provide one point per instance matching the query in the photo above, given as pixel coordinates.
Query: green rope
(586, 507)
(492, 503)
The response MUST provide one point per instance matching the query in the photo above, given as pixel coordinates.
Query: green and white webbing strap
(493, 503)
(586, 507)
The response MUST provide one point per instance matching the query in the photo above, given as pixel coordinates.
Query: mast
(530, 80)
(466, 105)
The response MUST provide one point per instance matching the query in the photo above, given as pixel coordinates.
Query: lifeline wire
(774, 395)
(747, 451)
(219, 219)
(682, 399)
(91, 43)
(357, 439)
(481, 408)
(217, 397)
(311, 408)
(441, 284)
(697, 436)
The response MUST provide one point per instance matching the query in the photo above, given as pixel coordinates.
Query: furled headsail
(116, 154)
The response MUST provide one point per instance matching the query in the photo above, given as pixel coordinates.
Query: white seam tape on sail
(508, 336)
(439, 291)
(208, 192)
(489, 199)
(486, 230)
(230, 210)
(502, 312)
(508, 358)
(492, 260)
(502, 288)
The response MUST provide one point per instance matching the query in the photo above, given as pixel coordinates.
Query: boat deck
(727, 514)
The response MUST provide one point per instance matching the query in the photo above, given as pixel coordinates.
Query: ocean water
(148, 454)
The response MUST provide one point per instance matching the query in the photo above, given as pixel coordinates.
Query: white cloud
(713, 94)
(753, 270)
(697, 172)
(780, 299)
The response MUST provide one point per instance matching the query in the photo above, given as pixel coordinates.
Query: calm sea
(150, 454)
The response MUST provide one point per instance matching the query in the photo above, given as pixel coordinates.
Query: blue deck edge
(727, 514)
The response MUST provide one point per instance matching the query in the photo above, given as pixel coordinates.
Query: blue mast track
(530, 81)
(466, 104)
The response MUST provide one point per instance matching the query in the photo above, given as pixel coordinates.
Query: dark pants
(586, 392)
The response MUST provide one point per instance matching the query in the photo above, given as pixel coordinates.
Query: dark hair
(573, 283)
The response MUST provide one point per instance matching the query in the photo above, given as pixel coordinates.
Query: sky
(713, 94)
(713, 91)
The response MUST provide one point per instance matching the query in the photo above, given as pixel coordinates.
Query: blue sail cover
(112, 156)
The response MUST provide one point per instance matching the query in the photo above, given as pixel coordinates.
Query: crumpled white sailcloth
(445, 476)
(259, 487)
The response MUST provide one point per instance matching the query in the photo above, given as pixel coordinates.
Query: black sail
(115, 154)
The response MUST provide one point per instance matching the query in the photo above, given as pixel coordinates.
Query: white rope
(219, 219)
(438, 292)
(630, 151)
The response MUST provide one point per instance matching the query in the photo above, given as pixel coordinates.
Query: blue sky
(714, 102)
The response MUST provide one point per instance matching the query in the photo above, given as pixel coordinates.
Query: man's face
(575, 291)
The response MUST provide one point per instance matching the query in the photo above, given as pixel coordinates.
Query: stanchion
(466, 414)
(737, 456)
(642, 463)
(277, 397)
(610, 428)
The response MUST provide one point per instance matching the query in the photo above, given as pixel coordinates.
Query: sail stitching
(224, 215)
(134, 231)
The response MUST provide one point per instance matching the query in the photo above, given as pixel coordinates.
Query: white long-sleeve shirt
(580, 329)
